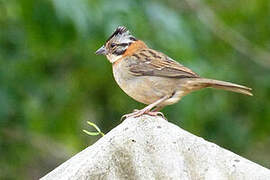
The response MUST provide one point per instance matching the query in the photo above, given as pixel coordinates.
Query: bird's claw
(137, 113)
(156, 113)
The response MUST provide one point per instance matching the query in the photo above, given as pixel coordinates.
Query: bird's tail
(198, 83)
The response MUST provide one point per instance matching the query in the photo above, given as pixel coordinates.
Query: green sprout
(94, 133)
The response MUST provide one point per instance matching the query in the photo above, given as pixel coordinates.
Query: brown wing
(148, 62)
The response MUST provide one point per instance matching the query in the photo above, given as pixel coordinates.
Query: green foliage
(51, 81)
(94, 133)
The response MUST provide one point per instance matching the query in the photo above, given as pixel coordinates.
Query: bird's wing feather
(148, 62)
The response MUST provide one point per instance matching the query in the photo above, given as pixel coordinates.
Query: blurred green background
(51, 82)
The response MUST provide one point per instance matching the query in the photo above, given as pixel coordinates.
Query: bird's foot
(137, 113)
(156, 113)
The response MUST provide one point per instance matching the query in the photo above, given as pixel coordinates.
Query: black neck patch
(118, 53)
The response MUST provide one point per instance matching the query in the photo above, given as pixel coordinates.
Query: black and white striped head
(117, 44)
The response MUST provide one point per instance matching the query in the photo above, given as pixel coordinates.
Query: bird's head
(117, 44)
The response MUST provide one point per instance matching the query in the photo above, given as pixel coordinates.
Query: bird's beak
(101, 51)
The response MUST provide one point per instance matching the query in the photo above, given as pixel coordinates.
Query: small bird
(151, 77)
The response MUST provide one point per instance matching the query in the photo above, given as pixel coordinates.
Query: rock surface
(152, 148)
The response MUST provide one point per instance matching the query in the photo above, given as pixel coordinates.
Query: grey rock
(153, 148)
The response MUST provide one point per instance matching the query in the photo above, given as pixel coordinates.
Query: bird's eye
(113, 45)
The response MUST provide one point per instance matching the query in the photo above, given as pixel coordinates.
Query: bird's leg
(157, 108)
(147, 109)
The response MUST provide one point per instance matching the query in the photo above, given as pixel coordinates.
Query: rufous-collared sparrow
(151, 77)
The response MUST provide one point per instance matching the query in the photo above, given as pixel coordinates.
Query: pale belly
(146, 89)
